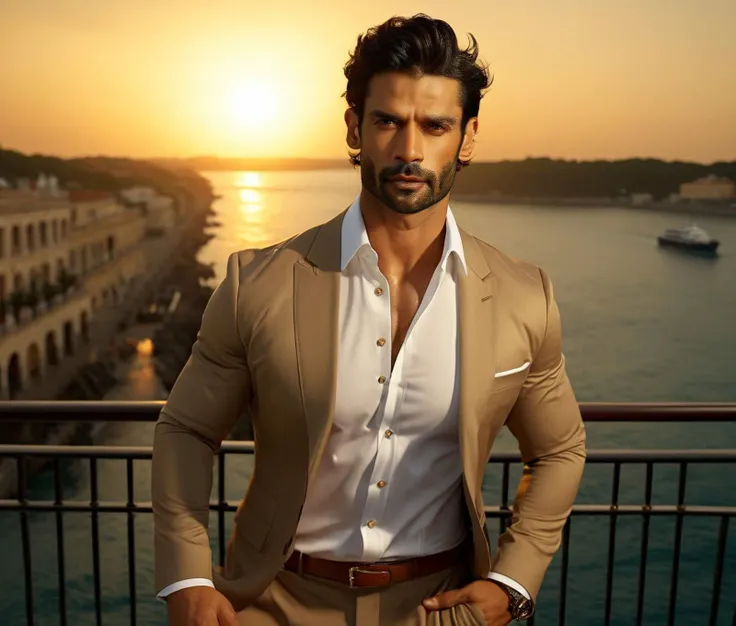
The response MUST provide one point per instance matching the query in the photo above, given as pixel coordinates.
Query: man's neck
(403, 241)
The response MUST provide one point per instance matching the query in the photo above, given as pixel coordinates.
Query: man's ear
(467, 149)
(353, 129)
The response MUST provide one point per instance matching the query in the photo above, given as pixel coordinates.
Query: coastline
(691, 208)
(92, 375)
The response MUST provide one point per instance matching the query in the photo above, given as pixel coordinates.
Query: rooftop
(88, 195)
(25, 201)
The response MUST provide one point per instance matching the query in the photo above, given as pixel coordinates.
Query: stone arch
(15, 379)
(68, 339)
(30, 237)
(15, 240)
(52, 350)
(34, 362)
(84, 325)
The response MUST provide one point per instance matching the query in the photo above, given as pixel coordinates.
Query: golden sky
(577, 79)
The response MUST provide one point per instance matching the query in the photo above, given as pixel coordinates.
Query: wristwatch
(520, 607)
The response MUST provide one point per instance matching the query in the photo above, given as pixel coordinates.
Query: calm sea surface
(639, 324)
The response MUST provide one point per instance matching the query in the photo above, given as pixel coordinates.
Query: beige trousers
(294, 600)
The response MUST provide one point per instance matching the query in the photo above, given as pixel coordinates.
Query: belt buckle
(361, 570)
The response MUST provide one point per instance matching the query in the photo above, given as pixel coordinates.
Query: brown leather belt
(356, 574)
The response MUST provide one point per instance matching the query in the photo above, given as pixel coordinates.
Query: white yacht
(691, 237)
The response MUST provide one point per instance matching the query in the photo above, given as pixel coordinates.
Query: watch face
(524, 609)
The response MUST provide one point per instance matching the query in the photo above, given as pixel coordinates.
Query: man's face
(410, 140)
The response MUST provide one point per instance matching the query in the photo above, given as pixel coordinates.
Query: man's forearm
(528, 545)
(180, 499)
(210, 393)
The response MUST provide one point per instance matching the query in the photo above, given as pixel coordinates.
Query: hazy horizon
(573, 80)
(345, 161)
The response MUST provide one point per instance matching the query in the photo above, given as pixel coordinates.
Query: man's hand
(200, 606)
(485, 595)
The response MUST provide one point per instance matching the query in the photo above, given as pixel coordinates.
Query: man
(379, 355)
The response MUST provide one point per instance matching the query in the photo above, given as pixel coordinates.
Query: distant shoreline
(604, 203)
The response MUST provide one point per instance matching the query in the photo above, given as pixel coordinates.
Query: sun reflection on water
(249, 196)
(248, 179)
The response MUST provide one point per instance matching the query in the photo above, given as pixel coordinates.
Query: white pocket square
(521, 368)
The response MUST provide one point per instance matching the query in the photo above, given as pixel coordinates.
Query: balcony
(23, 306)
(650, 541)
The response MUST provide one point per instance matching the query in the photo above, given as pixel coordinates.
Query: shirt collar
(355, 238)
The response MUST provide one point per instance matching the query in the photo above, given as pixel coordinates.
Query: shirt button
(371, 523)
(381, 380)
(378, 291)
(381, 342)
(381, 484)
(388, 433)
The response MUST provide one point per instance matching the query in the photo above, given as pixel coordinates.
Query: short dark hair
(420, 46)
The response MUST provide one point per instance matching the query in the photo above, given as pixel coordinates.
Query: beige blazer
(268, 344)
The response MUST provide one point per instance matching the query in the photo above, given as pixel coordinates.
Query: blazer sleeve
(208, 397)
(547, 423)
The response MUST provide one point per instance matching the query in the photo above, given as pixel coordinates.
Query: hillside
(106, 174)
(548, 178)
(529, 178)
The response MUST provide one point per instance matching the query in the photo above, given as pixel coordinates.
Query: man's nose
(409, 144)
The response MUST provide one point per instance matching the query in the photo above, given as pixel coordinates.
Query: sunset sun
(249, 106)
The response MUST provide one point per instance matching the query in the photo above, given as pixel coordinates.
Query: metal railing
(506, 462)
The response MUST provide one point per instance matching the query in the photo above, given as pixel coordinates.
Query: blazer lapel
(477, 356)
(316, 312)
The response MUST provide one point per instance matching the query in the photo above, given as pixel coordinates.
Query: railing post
(58, 503)
(563, 571)
(682, 479)
(26, 539)
(130, 505)
(221, 505)
(94, 504)
(644, 543)
(612, 542)
(718, 573)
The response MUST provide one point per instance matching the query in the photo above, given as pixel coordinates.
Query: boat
(690, 237)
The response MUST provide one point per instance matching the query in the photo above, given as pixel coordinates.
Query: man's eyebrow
(449, 120)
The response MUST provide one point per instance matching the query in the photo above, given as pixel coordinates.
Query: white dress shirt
(389, 484)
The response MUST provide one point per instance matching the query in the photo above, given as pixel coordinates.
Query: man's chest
(418, 379)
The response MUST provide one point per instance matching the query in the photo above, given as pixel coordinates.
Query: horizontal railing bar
(105, 452)
(57, 411)
(654, 509)
(248, 447)
(658, 411)
(491, 511)
(53, 411)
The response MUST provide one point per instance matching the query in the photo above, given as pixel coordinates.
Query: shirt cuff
(510, 582)
(183, 584)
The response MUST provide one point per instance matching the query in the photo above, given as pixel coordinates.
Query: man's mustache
(407, 169)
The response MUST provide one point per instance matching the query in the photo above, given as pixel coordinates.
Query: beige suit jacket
(268, 343)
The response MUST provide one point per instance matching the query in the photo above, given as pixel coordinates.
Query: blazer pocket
(510, 378)
(254, 518)
(513, 371)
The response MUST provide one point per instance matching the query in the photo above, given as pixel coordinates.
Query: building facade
(709, 188)
(160, 210)
(63, 257)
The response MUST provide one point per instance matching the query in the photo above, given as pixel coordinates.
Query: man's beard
(407, 201)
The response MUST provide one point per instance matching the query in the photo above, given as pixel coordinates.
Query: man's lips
(405, 179)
